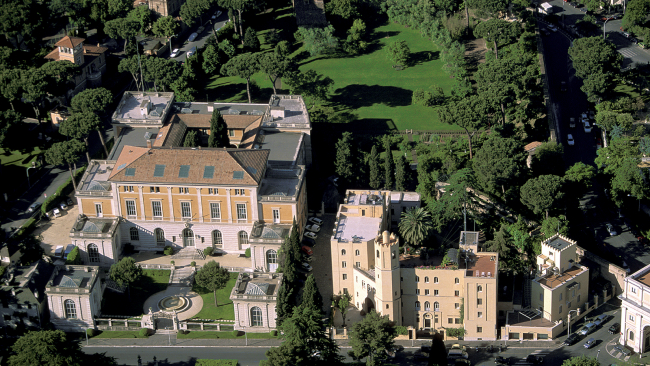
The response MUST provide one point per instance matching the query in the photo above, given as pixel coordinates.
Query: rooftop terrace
(138, 107)
(364, 198)
(482, 266)
(554, 280)
(357, 229)
(95, 179)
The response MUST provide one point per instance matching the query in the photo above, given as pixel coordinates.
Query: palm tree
(415, 225)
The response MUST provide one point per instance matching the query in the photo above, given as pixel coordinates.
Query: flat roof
(644, 278)
(293, 111)
(224, 108)
(404, 197)
(527, 319)
(558, 242)
(356, 198)
(129, 108)
(357, 227)
(483, 266)
(554, 280)
(97, 177)
(133, 137)
(284, 146)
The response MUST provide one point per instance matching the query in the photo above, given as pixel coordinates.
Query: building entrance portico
(188, 238)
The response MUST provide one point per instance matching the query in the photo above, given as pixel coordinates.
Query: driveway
(322, 261)
(203, 36)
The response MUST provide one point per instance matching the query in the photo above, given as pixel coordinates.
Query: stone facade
(254, 297)
(91, 61)
(635, 311)
(74, 296)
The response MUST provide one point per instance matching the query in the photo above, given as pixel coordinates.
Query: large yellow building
(151, 193)
(431, 294)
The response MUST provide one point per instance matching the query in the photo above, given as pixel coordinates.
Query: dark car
(614, 328)
(534, 359)
(501, 360)
(573, 4)
(572, 339)
(584, 10)
(34, 206)
(545, 32)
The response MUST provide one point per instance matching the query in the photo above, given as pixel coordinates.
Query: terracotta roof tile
(70, 42)
(251, 163)
(128, 155)
(250, 135)
(94, 50)
(54, 55)
(532, 146)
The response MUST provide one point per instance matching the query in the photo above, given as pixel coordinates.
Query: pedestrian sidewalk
(166, 340)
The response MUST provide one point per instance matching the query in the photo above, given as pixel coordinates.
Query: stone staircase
(189, 253)
(182, 276)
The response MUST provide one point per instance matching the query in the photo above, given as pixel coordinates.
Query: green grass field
(223, 335)
(119, 334)
(152, 281)
(366, 86)
(225, 310)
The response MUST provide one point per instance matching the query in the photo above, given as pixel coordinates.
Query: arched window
(160, 236)
(188, 238)
(436, 306)
(456, 280)
(256, 317)
(217, 239)
(426, 279)
(417, 306)
(427, 306)
(357, 252)
(631, 335)
(435, 280)
(243, 237)
(417, 278)
(70, 309)
(135, 235)
(272, 260)
(479, 288)
(93, 253)
(342, 251)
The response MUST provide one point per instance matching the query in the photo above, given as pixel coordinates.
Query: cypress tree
(388, 165)
(218, 131)
(191, 139)
(400, 174)
(285, 301)
(344, 163)
(375, 174)
(311, 297)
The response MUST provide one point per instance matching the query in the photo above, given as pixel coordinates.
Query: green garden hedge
(64, 191)
(204, 362)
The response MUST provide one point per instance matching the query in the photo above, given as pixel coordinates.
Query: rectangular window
(345, 276)
(480, 314)
(633, 290)
(568, 305)
(276, 216)
(457, 320)
(128, 188)
(98, 210)
(426, 292)
(231, 133)
(213, 190)
(541, 297)
(456, 306)
(241, 211)
(417, 291)
(479, 329)
(156, 209)
(578, 298)
(456, 293)
(130, 208)
(435, 292)
(344, 264)
(450, 320)
(631, 317)
(560, 297)
(345, 290)
(215, 210)
(479, 301)
(560, 311)
(186, 210)
(154, 189)
(183, 190)
(358, 264)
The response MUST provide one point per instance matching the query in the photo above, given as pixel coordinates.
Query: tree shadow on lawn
(115, 303)
(357, 96)
(421, 57)
(370, 126)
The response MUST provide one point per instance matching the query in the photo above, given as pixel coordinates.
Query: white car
(552, 28)
(611, 230)
(313, 227)
(311, 235)
(587, 127)
(174, 53)
(569, 140)
(316, 220)
(306, 267)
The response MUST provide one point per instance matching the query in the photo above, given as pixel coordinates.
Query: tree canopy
(212, 277)
(52, 348)
(542, 194)
(415, 225)
(498, 31)
(244, 66)
(500, 166)
(218, 131)
(371, 337)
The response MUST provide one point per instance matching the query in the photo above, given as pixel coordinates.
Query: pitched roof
(70, 42)
(201, 120)
(54, 55)
(532, 146)
(250, 135)
(90, 50)
(228, 166)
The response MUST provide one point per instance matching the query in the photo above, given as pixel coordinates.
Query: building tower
(387, 272)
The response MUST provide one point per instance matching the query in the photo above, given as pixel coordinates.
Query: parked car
(584, 10)
(316, 220)
(192, 37)
(552, 28)
(590, 343)
(174, 53)
(307, 267)
(216, 15)
(563, 86)
(588, 328)
(572, 339)
(310, 235)
(626, 35)
(534, 359)
(58, 252)
(63, 205)
(611, 230)
(34, 206)
(307, 250)
(614, 328)
(313, 227)
(572, 122)
(499, 360)
(602, 319)
(587, 127)
(569, 140)
(69, 201)
(545, 32)
(56, 213)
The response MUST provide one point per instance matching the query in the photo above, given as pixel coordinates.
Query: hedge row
(204, 362)
(28, 227)
(63, 191)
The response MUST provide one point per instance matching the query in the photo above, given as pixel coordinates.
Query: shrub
(401, 330)
(274, 333)
(235, 333)
(298, 36)
(247, 253)
(168, 250)
(226, 32)
(422, 97)
(172, 263)
(74, 257)
(208, 251)
(193, 264)
(204, 362)
(64, 190)
(144, 332)
(90, 332)
(455, 332)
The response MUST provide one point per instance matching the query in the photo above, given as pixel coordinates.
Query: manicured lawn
(152, 281)
(225, 310)
(223, 335)
(18, 158)
(119, 334)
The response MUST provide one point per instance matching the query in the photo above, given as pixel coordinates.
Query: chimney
(148, 144)
(385, 237)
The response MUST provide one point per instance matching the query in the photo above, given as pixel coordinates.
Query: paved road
(633, 54)
(199, 42)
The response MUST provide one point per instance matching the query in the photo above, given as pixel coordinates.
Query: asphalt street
(209, 25)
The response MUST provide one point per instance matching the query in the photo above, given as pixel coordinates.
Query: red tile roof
(70, 42)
